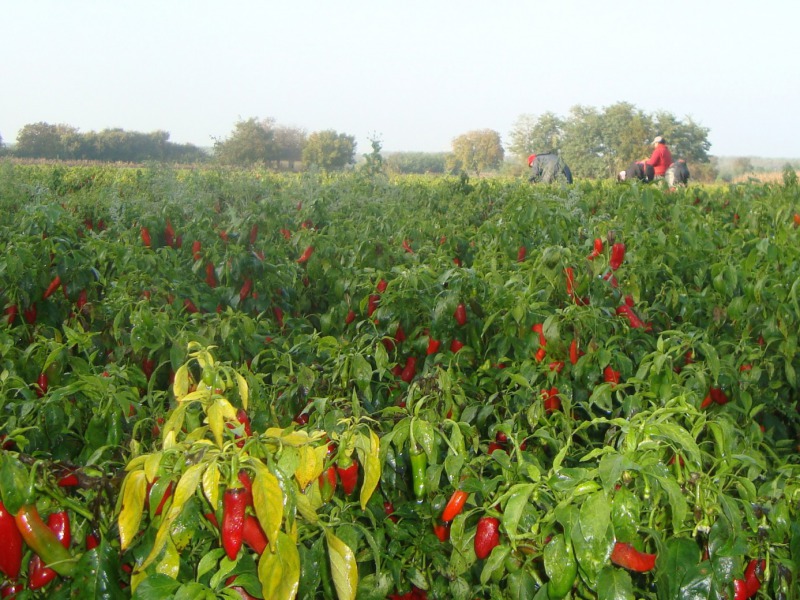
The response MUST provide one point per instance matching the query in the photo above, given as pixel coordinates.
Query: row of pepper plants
(233, 384)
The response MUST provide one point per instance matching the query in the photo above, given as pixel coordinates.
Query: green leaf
(344, 568)
(156, 587)
(279, 569)
(517, 500)
(614, 584)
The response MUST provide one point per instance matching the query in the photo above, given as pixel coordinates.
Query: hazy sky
(414, 73)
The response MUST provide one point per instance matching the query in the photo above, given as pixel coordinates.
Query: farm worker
(677, 174)
(638, 170)
(661, 158)
(547, 168)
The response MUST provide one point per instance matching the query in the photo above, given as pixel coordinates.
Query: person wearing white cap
(661, 158)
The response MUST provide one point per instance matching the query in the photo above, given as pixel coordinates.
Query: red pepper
(234, 503)
(521, 253)
(163, 501)
(10, 545)
(169, 234)
(557, 366)
(278, 312)
(306, 254)
(52, 287)
(409, 370)
(388, 509)
(348, 475)
(82, 299)
(327, 483)
(433, 346)
(211, 278)
(461, 314)
(407, 247)
(68, 480)
(610, 375)
(350, 317)
(617, 256)
(196, 247)
(540, 354)
(253, 233)
(381, 287)
(442, 531)
(241, 416)
(190, 306)
(752, 576)
(573, 352)
(287, 235)
(247, 484)
(41, 539)
(38, 574)
(487, 536)
(11, 313)
(598, 249)
(551, 400)
(372, 304)
(30, 314)
(253, 535)
(247, 286)
(146, 237)
(740, 589)
(570, 274)
(719, 396)
(92, 541)
(455, 505)
(224, 236)
(148, 365)
(626, 556)
(456, 345)
(494, 446)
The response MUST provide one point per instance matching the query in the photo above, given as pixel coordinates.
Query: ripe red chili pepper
(234, 503)
(247, 286)
(306, 254)
(407, 247)
(719, 396)
(327, 483)
(487, 536)
(41, 539)
(224, 235)
(598, 249)
(617, 256)
(52, 287)
(573, 352)
(347, 470)
(10, 544)
(163, 501)
(11, 313)
(442, 531)
(409, 370)
(633, 320)
(146, 237)
(30, 314)
(551, 400)
(196, 247)
(92, 541)
(433, 346)
(190, 306)
(740, 590)
(41, 384)
(626, 556)
(68, 480)
(82, 299)
(557, 366)
(570, 275)
(148, 366)
(494, 446)
(350, 317)
(388, 509)
(38, 574)
(455, 505)
(521, 253)
(456, 345)
(752, 576)
(381, 287)
(241, 416)
(461, 314)
(372, 304)
(211, 278)
(10, 590)
(253, 535)
(247, 484)
(610, 375)
(169, 234)
(253, 233)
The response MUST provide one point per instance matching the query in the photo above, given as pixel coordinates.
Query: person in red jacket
(661, 158)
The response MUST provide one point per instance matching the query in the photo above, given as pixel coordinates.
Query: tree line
(596, 143)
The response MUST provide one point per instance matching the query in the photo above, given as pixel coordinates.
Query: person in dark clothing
(677, 173)
(547, 168)
(638, 170)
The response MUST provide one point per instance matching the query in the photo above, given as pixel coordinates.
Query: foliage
(628, 381)
(329, 150)
(252, 142)
(408, 163)
(476, 151)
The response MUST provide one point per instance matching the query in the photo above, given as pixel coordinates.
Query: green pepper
(41, 539)
(419, 468)
(560, 566)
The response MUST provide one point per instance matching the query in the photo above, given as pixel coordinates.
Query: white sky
(414, 73)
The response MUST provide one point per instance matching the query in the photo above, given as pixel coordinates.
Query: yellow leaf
(309, 466)
(215, 422)
(268, 501)
(134, 489)
(151, 465)
(171, 562)
(136, 578)
(200, 393)
(305, 505)
(244, 390)
(211, 479)
(368, 449)
(180, 387)
(135, 463)
(279, 571)
(344, 568)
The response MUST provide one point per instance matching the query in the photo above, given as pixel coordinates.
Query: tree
(478, 151)
(583, 146)
(251, 142)
(43, 140)
(289, 144)
(329, 150)
(534, 135)
(686, 140)
(417, 162)
(2, 146)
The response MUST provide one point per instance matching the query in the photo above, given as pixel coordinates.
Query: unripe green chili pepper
(234, 503)
(10, 544)
(40, 575)
(419, 467)
(43, 541)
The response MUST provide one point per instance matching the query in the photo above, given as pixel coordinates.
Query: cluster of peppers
(49, 541)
